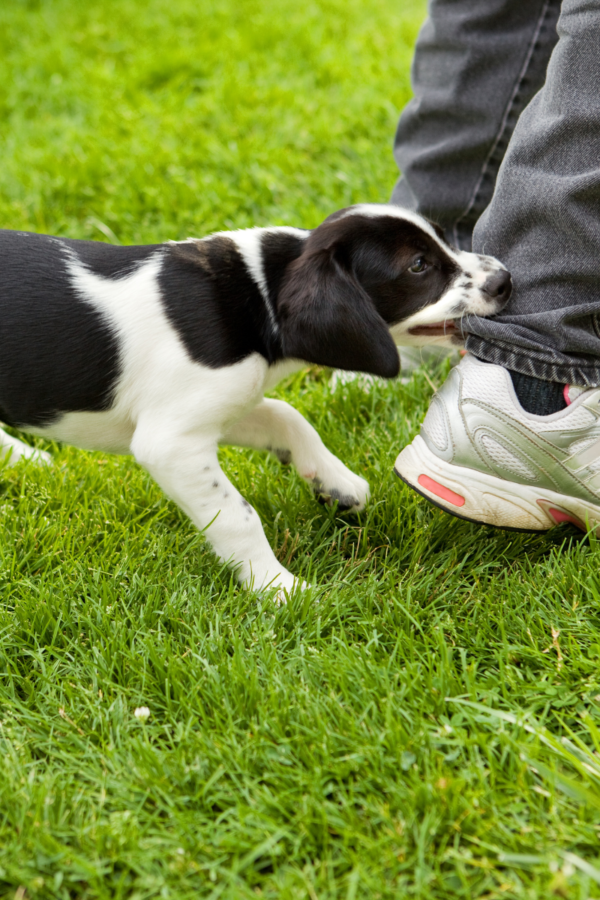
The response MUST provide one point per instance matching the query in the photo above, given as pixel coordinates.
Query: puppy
(165, 351)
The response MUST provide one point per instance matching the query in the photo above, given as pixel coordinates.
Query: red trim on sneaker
(440, 491)
(559, 516)
(566, 394)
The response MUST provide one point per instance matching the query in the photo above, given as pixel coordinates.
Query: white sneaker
(481, 457)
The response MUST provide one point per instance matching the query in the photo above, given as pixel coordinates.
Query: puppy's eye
(418, 266)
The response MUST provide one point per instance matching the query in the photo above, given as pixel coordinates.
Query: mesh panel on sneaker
(502, 456)
(435, 425)
(490, 386)
(480, 382)
(579, 418)
(579, 446)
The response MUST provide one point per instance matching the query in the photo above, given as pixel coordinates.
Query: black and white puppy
(165, 351)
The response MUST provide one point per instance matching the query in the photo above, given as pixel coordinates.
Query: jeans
(501, 146)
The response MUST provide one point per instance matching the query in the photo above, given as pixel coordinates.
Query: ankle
(541, 398)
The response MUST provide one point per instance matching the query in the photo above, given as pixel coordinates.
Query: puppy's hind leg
(276, 426)
(12, 450)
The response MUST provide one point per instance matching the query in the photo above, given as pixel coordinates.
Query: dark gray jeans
(501, 146)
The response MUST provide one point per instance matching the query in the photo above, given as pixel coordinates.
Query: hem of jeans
(568, 372)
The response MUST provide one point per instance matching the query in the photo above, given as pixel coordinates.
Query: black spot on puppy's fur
(110, 261)
(44, 321)
(214, 304)
(279, 249)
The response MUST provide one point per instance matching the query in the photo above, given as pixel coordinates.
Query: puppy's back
(57, 352)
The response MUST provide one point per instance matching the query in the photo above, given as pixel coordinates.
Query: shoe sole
(483, 498)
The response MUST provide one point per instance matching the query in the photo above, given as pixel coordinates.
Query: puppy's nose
(499, 285)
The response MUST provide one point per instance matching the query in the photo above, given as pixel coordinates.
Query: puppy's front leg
(187, 468)
(276, 426)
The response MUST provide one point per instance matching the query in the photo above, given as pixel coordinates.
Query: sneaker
(481, 457)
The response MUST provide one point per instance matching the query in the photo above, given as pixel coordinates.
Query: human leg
(543, 220)
(476, 67)
(480, 454)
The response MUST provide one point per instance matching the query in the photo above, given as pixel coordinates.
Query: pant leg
(544, 219)
(477, 64)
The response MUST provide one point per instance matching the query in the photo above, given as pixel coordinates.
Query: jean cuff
(534, 364)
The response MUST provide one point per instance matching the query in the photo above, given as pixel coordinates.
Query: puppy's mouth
(435, 329)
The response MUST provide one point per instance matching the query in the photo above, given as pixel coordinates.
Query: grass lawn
(424, 722)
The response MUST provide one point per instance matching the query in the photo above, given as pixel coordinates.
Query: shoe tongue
(572, 392)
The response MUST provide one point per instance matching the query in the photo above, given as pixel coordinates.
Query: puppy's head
(373, 276)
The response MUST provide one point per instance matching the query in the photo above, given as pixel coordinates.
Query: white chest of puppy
(165, 351)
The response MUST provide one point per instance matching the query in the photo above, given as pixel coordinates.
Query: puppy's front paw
(338, 484)
(286, 583)
(283, 580)
(282, 596)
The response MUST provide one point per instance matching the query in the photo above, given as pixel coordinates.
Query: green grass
(423, 724)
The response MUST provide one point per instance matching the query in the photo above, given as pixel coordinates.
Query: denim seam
(536, 355)
(501, 354)
(532, 353)
(503, 122)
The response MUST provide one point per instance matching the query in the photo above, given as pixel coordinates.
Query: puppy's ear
(327, 318)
